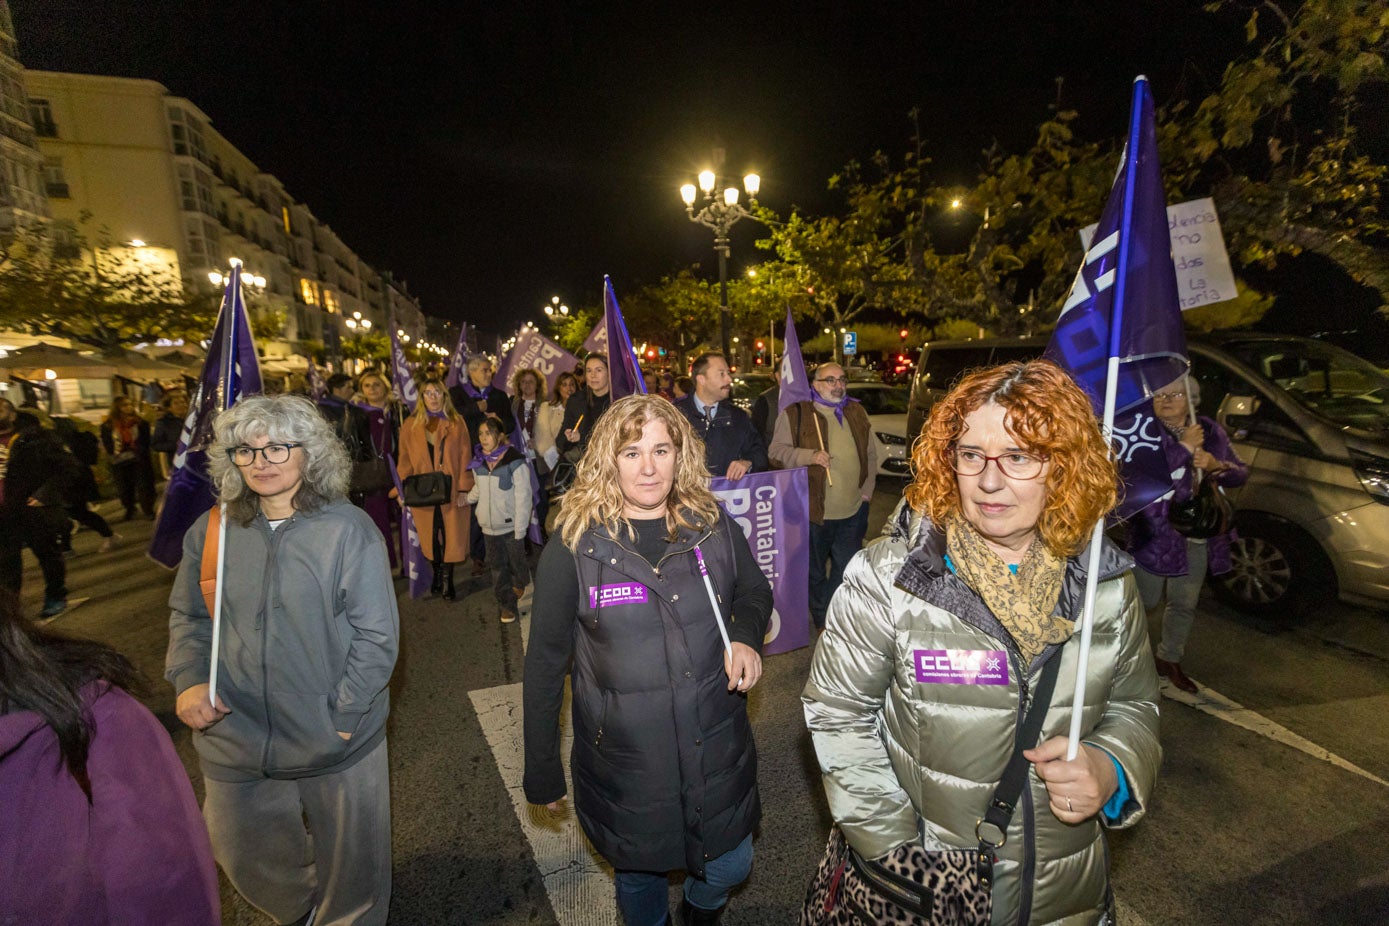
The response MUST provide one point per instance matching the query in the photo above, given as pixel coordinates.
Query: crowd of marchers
(928, 701)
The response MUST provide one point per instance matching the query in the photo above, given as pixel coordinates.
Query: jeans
(642, 895)
(1182, 592)
(837, 542)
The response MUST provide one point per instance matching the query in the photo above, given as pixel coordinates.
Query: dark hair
(596, 355)
(27, 422)
(559, 380)
(684, 384)
(702, 362)
(337, 381)
(45, 673)
(493, 425)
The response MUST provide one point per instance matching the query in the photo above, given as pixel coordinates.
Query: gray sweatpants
(342, 861)
(1181, 593)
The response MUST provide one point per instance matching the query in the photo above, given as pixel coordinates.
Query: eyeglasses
(1014, 465)
(834, 380)
(273, 453)
(1168, 396)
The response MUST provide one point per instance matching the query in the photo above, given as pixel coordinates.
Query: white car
(887, 419)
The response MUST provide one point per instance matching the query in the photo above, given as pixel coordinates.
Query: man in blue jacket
(732, 446)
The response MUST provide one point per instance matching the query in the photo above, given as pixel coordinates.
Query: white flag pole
(228, 365)
(1111, 390)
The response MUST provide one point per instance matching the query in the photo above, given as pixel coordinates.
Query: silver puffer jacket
(904, 759)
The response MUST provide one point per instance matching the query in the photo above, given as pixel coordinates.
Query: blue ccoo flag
(1120, 331)
(458, 363)
(795, 384)
(230, 372)
(623, 373)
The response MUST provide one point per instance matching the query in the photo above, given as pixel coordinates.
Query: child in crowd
(501, 500)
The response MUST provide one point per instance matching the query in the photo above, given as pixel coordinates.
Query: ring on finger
(1069, 806)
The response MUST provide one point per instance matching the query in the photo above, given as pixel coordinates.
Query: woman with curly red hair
(929, 699)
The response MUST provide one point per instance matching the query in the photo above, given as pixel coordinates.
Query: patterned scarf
(837, 406)
(1024, 602)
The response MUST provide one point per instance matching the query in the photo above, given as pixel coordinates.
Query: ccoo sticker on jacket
(603, 596)
(961, 666)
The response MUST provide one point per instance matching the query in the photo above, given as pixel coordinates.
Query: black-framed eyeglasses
(273, 453)
(834, 380)
(1015, 464)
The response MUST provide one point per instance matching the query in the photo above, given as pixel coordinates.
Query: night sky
(494, 158)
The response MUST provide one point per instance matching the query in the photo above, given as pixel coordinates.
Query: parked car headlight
(887, 438)
(1374, 474)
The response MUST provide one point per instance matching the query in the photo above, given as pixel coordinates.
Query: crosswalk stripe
(1210, 701)
(578, 881)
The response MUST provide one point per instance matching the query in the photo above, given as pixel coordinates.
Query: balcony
(46, 129)
(57, 191)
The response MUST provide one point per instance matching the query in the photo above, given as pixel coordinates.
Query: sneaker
(508, 617)
(54, 606)
(109, 543)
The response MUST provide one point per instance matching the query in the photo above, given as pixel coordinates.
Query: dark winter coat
(352, 426)
(729, 436)
(664, 769)
(1155, 545)
(498, 406)
(583, 409)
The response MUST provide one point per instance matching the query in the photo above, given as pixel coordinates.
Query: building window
(307, 292)
(54, 181)
(187, 134)
(284, 214)
(41, 115)
(330, 301)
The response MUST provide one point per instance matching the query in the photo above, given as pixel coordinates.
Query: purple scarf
(476, 393)
(481, 459)
(837, 406)
(438, 416)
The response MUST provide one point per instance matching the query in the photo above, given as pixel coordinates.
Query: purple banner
(401, 374)
(318, 388)
(961, 666)
(795, 385)
(458, 362)
(624, 374)
(597, 340)
(417, 566)
(772, 509)
(605, 596)
(535, 351)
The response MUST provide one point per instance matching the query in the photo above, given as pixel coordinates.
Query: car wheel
(1277, 570)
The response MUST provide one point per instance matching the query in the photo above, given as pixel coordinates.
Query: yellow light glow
(730, 196)
(687, 193)
(50, 374)
(136, 243)
(706, 181)
(752, 183)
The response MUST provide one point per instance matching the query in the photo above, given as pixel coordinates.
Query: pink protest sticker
(603, 596)
(961, 666)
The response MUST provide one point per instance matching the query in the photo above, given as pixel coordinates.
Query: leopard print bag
(910, 886)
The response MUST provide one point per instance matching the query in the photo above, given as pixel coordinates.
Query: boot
(437, 586)
(1172, 671)
(449, 593)
(690, 915)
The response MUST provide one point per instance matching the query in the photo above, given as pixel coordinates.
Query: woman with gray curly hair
(309, 635)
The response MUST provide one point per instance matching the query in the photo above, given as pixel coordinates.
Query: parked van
(1312, 422)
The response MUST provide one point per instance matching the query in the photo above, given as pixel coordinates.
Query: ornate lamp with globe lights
(720, 212)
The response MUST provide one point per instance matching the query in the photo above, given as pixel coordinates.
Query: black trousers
(132, 480)
(39, 529)
(507, 557)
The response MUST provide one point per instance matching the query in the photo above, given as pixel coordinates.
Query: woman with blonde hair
(436, 439)
(652, 591)
(929, 699)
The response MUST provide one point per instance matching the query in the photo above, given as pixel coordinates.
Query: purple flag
(417, 567)
(400, 374)
(795, 385)
(534, 351)
(597, 339)
(1124, 309)
(458, 363)
(624, 374)
(317, 387)
(230, 372)
(773, 511)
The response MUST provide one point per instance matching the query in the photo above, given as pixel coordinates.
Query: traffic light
(759, 345)
(651, 353)
(903, 334)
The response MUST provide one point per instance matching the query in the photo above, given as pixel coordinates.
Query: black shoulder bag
(921, 887)
(369, 476)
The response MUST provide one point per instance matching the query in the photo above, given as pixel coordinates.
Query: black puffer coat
(664, 768)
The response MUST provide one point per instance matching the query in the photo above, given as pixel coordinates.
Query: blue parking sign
(850, 342)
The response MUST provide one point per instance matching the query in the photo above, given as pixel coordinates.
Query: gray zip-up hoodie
(310, 634)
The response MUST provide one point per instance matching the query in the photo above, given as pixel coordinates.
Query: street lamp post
(556, 310)
(720, 213)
